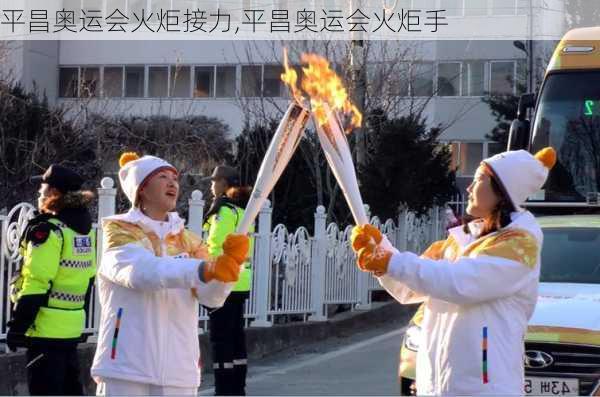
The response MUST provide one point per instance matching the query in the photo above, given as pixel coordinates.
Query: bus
(566, 117)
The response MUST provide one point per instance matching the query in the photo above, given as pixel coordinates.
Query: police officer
(227, 336)
(52, 289)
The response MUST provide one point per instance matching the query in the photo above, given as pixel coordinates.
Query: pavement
(361, 364)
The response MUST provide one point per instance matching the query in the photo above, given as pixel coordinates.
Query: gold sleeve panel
(517, 245)
(194, 245)
(117, 233)
(435, 250)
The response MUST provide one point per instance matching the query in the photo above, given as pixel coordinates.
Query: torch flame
(290, 78)
(322, 85)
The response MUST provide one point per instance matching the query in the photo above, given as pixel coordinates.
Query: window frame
(437, 78)
(514, 74)
(103, 91)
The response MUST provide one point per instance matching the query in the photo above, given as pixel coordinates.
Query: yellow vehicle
(562, 347)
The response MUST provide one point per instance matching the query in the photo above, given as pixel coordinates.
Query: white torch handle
(282, 147)
(337, 152)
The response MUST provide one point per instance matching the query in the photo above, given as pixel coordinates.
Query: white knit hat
(134, 171)
(521, 173)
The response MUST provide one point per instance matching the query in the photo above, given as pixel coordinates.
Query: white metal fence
(295, 274)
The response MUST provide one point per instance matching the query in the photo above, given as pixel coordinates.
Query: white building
(212, 78)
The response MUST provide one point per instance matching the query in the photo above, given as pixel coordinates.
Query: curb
(261, 343)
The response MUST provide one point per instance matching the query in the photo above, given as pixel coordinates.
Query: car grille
(570, 361)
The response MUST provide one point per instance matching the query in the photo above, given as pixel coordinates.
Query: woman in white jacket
(151, 279)
(479, 287)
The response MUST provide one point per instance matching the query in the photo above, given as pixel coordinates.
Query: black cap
(61, 178)
(226, 172)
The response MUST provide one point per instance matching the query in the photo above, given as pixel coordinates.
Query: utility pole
(359, 84)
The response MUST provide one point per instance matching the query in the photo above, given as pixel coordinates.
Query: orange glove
(365, 235)
(226, 267)
(237, 246)
(370, 256)
(375, 260)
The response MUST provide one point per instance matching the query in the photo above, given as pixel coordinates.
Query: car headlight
(412, 338)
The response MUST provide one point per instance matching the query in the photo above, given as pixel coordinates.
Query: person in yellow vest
(152, 277)
(51, 291)
(227, 335)
(479, 287)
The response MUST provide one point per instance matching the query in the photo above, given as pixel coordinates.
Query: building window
(113, 5)
(187, 5)
(204, 81)
(523, 7)
(473, 82)
(158, 5)
(272, 84)
(503, 7)
(75, 6)
(448, 81)
(422, 79)
(475, 7)
(466, 157)
(521, 77)
(180, 81)
(502, 78)
(158, 81)
(493, 148)
(68, 82)
(113, 82)
(225, 81)
(251, 78)
(90, 82)
(134, 81)
(135, 7)
(453, 8)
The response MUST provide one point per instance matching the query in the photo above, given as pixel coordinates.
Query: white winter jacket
(150, 291)
(479, 295)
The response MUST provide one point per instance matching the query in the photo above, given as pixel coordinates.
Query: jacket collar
(134, 215)
(519, 220)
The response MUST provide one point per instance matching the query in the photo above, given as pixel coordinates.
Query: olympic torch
(280, 151)
(337, 152)
(328, 98)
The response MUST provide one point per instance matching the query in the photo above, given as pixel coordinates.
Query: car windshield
(571, 255)
(568, 119)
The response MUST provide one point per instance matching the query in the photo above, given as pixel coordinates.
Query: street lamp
(529, 53)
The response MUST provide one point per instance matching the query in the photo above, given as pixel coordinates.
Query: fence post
(262, 266)
(107, 196)
(317, 267)
(196, 212)
(402, 243)
(364, 294)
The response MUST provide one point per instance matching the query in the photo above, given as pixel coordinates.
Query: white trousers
(119, 387)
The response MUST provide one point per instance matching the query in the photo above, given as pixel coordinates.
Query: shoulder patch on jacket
(39, 233)
(514, 244)
(118, 233)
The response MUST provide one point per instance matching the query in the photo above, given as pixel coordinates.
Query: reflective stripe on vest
(65, 296)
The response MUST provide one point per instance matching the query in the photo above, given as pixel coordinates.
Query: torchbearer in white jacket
(151, 278)
(479, 286)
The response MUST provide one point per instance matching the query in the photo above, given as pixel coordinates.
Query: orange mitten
(237, 246)
(364, 235)
(374, 260)
(224, 268)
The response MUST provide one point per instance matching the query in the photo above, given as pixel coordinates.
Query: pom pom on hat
(547, 156)
(128, 157)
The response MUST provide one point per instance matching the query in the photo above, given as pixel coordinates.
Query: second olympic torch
(337, 152)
